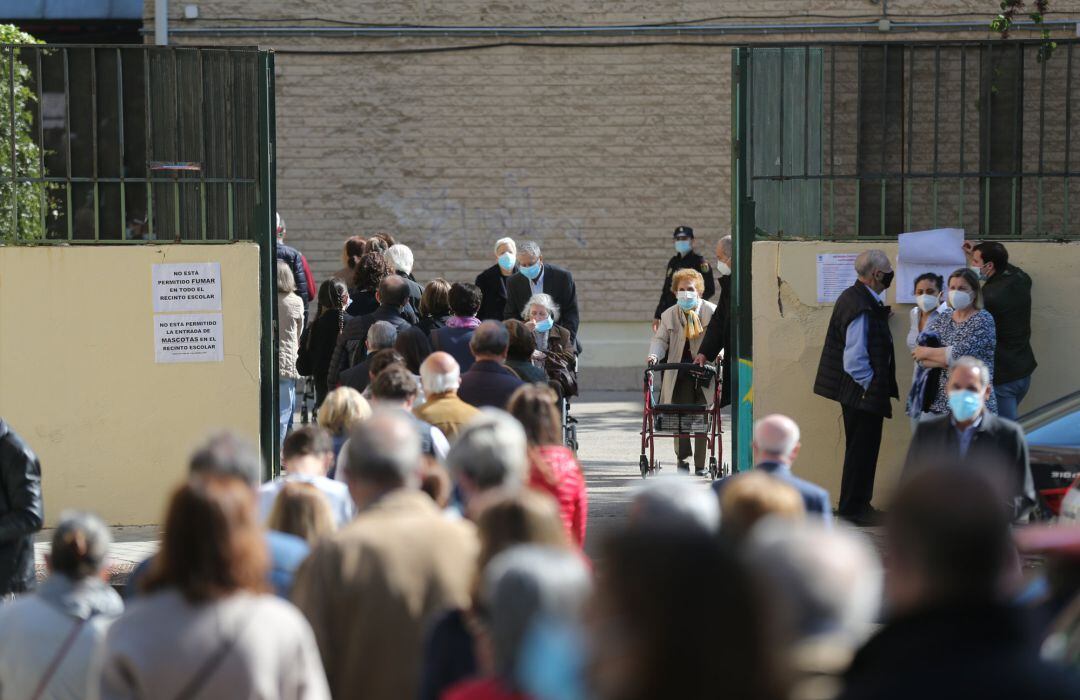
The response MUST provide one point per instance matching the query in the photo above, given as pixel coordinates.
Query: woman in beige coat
(677, 339)
(290, 309)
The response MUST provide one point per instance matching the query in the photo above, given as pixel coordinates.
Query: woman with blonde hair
(343, 409)
(290, 327)
(301, 509)
(677, 339)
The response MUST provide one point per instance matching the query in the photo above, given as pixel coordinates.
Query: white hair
(531, 248)
(831, 578)
(776, 435)
(439, 382)
(400, 256)
(544, 300)
(725, 245)
(491, 450)
(870, 261)
(509, 242)
(976, 365)
(675, 503)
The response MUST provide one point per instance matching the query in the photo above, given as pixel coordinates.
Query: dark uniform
(680, 262)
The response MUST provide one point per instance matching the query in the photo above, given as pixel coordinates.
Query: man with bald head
(441, 377)
(776, 445)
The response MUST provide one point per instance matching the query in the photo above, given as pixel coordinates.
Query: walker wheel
(643, 463)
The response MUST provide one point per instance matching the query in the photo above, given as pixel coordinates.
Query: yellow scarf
(693, 324)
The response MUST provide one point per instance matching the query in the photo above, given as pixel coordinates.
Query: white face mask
(722, 268)
(959, 299)
(687, 295)
(927, 302)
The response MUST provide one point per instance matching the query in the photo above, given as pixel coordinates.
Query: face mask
(682, 247)
(506, 261)
(978, 272)
(722, 268)
(959, 299)
(545, 325)
(687, 300)
(886, 279)
(965, 404)
(530, 271)
(551, 664)
(927, 302)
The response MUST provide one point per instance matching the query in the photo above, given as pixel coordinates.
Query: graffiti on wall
(449, 223)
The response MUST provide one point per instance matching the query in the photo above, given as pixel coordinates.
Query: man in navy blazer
(776, 445)
(488, 382)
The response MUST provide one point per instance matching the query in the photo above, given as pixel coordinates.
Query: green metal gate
(130, 145)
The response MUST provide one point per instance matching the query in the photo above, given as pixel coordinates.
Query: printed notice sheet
(188, 338)
(187, 287)
(835, 273)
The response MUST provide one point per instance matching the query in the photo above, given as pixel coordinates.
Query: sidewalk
(130, 546)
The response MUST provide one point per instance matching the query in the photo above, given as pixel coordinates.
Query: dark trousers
(686, 391)
(862, 433)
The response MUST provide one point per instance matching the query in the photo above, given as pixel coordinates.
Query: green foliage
(22, 201)
(1003, 23)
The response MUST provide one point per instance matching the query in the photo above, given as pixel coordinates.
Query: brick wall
(595, 152)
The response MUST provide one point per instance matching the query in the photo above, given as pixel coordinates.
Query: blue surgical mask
(965, 404)
(687, 300)
(530, 271)
(551, 665)
(682, 247)
(506, 261)
(545, 325)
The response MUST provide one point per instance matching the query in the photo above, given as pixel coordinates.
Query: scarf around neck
(462, 322)
(693, 323)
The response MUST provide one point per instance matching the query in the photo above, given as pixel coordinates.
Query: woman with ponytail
(318, 341)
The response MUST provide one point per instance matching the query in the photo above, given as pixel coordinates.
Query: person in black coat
(971, 435)
(951, 630)
(318, 341)
(684, 258)
(21, 512)
(535, 276)
(858, 371)
(488, 382)
(718, 332)
(493, 281)
(350, 350)
(455, 336)
(434, 306)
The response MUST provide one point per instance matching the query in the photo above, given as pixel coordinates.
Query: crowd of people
(426, 538)
(382, 585)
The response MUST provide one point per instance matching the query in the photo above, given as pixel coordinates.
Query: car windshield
(1062, 430)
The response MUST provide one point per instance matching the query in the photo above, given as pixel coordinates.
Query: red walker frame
(713, 428)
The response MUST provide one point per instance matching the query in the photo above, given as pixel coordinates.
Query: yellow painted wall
(78, 379)
(789, 328)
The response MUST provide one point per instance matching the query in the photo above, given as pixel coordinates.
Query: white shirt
(336, 492)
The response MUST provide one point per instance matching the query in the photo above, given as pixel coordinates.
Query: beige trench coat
(668, 343)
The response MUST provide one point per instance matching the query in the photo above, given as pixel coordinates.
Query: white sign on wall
(187, 287)
(835, 273)
(188, 338)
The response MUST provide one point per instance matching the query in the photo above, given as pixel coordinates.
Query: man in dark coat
(973, 436)
(350, 350)
(684, 257)
(1007, 296)
(951, 632)
(488, 382)
(21, 512)
(493, 281)
(718, 332)
(535, 276)
(858, 370)
(305, 285)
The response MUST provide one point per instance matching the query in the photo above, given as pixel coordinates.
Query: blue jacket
(454, 341)
(291, 256)
(815, 498)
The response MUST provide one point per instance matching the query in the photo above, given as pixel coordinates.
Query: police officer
(684, 257)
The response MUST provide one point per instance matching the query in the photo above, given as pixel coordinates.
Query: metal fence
(870, 140)
(119, 144)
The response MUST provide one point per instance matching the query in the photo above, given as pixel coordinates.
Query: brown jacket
(446, 412)
(371, 591)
